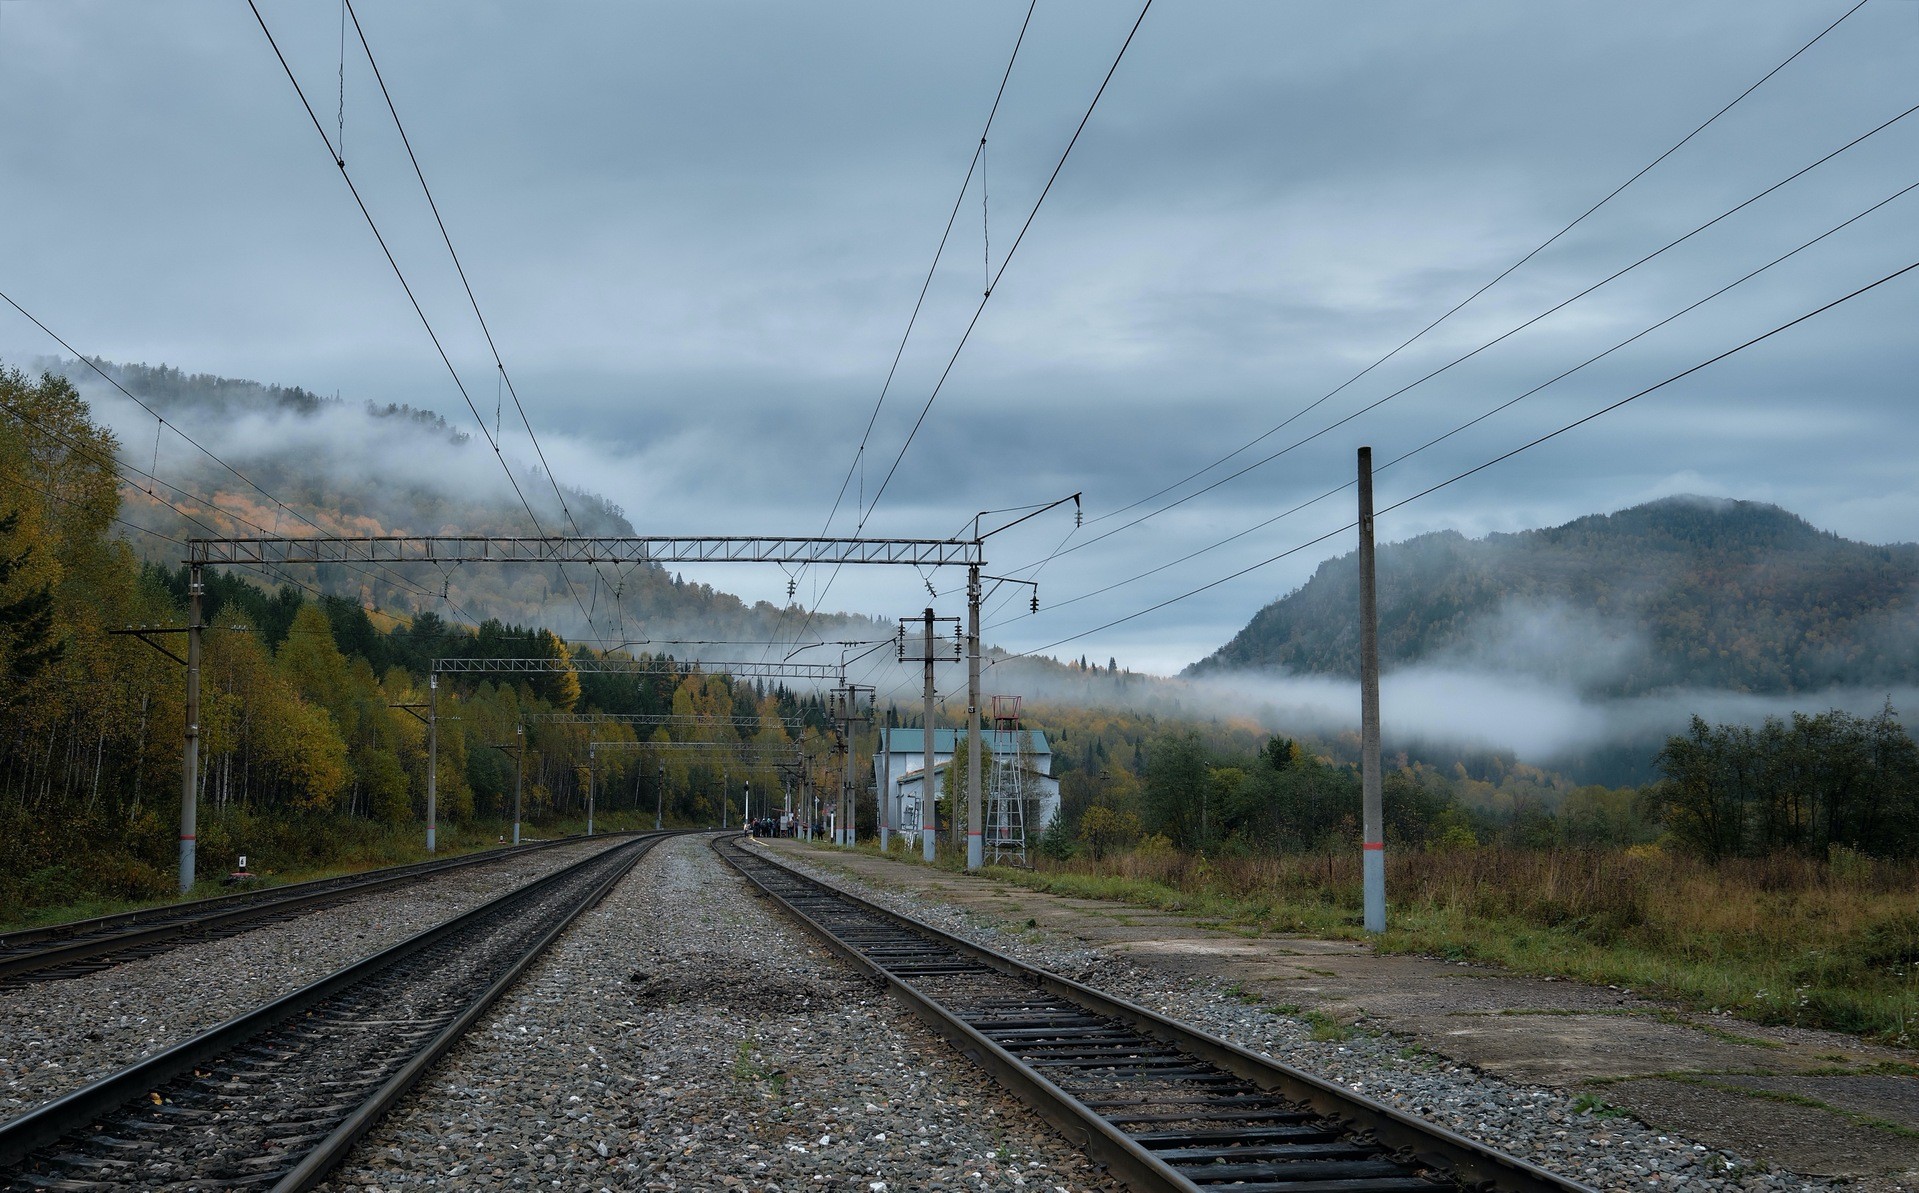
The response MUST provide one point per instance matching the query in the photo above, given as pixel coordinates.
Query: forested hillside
(1684, 592)
(368, 469)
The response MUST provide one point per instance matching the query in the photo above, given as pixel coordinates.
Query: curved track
(1164, 1106)
(274, 1098)
(87, 946)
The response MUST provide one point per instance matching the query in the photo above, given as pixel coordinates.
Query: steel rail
(138, 1088)
(83, 946)
(1268, 1137)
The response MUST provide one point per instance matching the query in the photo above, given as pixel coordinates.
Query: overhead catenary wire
(279, 505)
(1636, 336)
(1501, 458)
(1503, 336)
(1499, 277)
(993, 284)
(919, 302)
(407, 287)
(472, 300)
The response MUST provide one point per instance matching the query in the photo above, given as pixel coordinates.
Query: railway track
(86, 946)
(274, 1098)
(1165, 1107)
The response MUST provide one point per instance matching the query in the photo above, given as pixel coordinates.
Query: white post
(432, 760)
(190, 754)
(1373, 853)
(929, 822)
(975, 843)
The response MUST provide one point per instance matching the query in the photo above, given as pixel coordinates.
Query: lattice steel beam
(273, 552)
(639, 667)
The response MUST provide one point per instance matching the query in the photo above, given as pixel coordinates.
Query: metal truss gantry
(271, 551)
(386, 549)
(603, 666)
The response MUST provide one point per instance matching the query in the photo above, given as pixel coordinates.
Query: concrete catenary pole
(190, 753)
(726, 790)
(592, 760)
(929, 822)
(975, 843)
(519, 777)
(882, 747)
(851, 834)
(1373, 853)
(432, 760)
(659, 800)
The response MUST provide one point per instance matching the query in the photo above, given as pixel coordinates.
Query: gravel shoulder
(1689, 1102)
(684, 1036)
(58, 1036)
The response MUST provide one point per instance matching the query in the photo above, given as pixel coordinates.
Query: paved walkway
(1812, 1102)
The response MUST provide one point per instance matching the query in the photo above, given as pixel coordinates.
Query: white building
(900, 758)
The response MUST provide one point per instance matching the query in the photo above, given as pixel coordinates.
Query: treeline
(1285, 797)
(310, 704)
(1807, 785)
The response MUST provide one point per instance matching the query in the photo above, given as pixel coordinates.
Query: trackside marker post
(1373, 855)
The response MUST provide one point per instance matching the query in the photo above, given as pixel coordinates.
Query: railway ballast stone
(682, 1036)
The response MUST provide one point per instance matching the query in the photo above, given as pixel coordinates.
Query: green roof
(999, 741)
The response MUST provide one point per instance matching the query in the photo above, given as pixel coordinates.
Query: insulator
(1036, 602)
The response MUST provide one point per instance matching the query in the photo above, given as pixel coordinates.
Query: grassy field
(81, 879)
(1782, 940)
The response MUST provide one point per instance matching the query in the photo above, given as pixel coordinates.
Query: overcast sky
(697, 231)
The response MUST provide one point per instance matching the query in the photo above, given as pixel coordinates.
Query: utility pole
(190, 755)
(592, 759)
(929, 823)
(975, 844)
(519, 776)
(1373, 855)
(432, 759)
(882, 749)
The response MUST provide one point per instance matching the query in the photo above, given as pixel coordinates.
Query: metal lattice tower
(1006, 802)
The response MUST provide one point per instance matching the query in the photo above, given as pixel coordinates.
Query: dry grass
(1785, 939)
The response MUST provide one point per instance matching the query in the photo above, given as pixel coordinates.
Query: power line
(418, 310)
(1641, 334)
(119, 468)
(188, 439)
(487, 331)
(993, 285)
(1505, 335)
(1005, 262)
(912, 320)
(1503, 274)
(1633, 397)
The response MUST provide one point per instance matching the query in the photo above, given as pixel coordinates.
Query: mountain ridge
(1685, 591)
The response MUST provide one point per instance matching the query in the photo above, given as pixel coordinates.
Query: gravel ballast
(684, 1036)
(58, 1036)
(1561, 1132)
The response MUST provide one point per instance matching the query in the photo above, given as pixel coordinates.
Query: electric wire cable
(279, 505)
(1005, 261)
(1690, 307)
(472, 300)
(406, 286)
(913, 319)
(120, 469)
(1503, 274)
(1633, 397)
(1509, 333)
